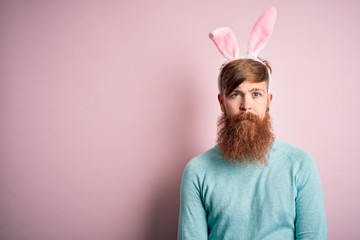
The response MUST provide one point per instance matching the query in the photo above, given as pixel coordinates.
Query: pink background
(102, 103)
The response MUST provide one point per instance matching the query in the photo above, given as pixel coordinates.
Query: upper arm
(310, 222)
(192, 218)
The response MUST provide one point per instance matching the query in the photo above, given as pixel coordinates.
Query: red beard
(245, 137)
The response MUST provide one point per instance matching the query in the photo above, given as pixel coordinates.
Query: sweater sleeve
(192, 217)
(310, 222)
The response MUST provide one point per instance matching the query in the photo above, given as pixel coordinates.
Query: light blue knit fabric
(282, 200)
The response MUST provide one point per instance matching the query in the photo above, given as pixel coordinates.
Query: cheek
(262, 108)
(231, 109)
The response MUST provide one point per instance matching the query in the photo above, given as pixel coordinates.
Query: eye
(234, 94)
(257, 94)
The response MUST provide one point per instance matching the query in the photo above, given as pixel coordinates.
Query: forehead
(249, 85)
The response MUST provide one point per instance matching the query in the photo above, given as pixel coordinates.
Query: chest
(249, 196)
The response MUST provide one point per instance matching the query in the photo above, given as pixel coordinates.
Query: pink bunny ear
(261, 32)
(225, 40)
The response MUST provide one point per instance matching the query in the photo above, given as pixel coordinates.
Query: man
(250, 186)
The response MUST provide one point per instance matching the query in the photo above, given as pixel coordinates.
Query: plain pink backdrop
(102, 103)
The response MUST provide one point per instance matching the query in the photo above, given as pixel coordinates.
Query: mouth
(246, 121)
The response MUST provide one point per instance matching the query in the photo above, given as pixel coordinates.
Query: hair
(233, 73)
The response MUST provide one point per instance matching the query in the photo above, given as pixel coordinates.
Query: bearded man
(250, 185)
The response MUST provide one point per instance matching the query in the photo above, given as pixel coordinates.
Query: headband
(225, 40)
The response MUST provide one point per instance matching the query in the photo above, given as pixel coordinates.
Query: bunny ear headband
(225, 40)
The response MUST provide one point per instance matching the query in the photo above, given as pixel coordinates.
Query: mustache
(245, 116)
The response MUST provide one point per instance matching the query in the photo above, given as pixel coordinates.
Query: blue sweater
(281, 200)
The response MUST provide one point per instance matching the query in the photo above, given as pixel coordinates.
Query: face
(247, 97)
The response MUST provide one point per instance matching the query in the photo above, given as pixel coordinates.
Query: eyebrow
(257, 89)
(236, 90)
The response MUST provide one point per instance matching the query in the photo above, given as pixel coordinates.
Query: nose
(246, 104)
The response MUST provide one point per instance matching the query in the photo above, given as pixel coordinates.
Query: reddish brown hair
(235, 72)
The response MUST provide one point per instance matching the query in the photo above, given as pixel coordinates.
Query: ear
(221, 101)
(225, 40)
(261, 32)
(269, 98)
(220, 98)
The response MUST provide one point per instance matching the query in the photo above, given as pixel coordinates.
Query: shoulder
(291, 153)
(303, 164)
(203, 162)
